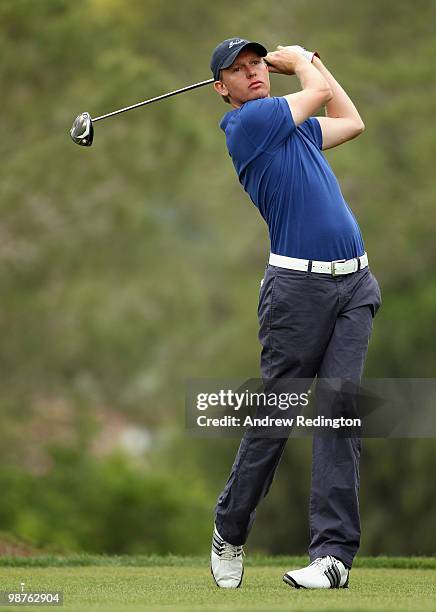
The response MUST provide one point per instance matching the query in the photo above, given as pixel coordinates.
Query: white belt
(335, 268)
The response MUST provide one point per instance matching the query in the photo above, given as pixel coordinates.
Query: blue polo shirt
(287, 177)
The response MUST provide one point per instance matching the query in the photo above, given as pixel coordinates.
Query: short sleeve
(312, 130)
(267, 122)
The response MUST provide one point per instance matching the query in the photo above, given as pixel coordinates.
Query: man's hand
(302, 51)
(284, 61)
(316, 91)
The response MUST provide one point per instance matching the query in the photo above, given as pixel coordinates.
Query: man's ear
(220, 88)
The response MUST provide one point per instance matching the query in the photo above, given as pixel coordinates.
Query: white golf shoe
(227, 564)
(323, 573)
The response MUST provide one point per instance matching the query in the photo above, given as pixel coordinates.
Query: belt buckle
(337, 261)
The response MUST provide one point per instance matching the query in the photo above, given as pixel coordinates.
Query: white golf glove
(302, 51)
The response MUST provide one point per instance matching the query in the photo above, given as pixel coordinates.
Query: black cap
(225, 53)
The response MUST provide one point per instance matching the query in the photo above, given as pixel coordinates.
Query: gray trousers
(310, 325)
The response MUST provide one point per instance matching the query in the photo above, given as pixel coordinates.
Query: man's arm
(315, 91)
(342, 121)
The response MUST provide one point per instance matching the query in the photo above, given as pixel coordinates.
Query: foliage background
(131, 266)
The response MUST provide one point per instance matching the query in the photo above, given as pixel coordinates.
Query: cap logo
(238, 41)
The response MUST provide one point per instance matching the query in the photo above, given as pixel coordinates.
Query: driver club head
(82, 131)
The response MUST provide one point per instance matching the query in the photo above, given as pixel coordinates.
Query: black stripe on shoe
(328, 572)
(337, 573)
(293, 583)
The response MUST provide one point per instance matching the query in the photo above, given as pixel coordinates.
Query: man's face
(246, 79)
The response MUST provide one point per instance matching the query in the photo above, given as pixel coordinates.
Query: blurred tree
(131, 266)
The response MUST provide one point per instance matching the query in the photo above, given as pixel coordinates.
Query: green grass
(185, 584)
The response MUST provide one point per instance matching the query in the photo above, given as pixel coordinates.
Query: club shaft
(167, 95)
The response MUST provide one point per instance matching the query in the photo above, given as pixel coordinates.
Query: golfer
(317, 299)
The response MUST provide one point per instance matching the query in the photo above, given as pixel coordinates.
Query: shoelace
(230, 551)
(330, 568)
(325, 562)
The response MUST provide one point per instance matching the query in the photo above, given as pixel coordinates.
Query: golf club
(82, 131)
